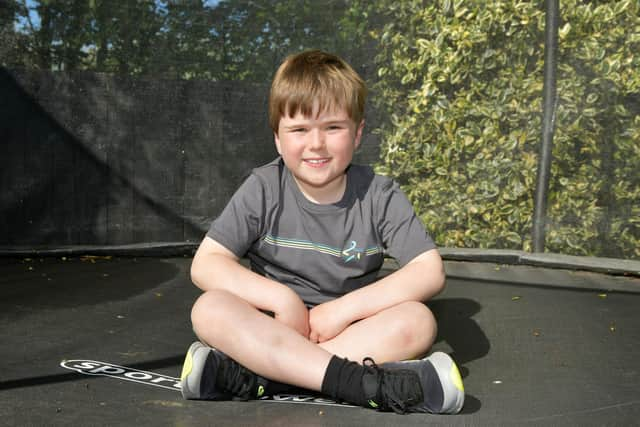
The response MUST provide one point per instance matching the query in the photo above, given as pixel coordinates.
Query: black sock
(343, 381)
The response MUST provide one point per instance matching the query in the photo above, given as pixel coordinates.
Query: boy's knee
(209, 305)
(418, 326)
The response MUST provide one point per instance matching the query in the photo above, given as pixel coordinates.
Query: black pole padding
(548, 122)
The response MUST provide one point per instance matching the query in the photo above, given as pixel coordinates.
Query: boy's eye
(298, 130)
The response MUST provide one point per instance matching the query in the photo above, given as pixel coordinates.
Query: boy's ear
(359, 130)
(277, 141)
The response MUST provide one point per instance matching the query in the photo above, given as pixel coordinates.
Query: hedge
(461, 83)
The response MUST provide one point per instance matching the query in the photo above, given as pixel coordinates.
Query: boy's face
(317, 149)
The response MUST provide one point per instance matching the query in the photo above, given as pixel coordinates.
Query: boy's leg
(405, 331)
(258, 341)
(271, 349)
(401, 332)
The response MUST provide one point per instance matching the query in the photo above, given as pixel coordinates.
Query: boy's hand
(326, 321)
(292, 312)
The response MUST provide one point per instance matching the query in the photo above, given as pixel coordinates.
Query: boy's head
(313, 77)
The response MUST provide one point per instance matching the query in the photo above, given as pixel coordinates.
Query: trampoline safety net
(130, 122)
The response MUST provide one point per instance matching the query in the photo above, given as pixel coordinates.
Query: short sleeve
(240, 223)
(403, 234)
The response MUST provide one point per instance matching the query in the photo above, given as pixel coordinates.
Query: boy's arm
(419, 280)
(216, 267)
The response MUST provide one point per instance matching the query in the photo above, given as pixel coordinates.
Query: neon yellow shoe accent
(455, 376)
(373, 404)
(186, 368)
(260, 391)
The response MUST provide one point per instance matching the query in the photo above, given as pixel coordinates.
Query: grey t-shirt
(320, 251)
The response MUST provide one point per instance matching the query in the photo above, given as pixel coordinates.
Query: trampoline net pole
(549, 101)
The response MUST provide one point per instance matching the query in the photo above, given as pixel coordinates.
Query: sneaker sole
(192, 370)
(452, 386)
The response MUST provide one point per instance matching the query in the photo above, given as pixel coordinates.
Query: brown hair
(311, 76)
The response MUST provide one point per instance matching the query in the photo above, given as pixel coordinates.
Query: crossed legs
(273, 350)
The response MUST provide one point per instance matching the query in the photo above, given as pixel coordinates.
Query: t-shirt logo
(352, 252)
(349, 253)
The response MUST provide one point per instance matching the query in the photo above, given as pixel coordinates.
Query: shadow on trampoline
(458, 330)
(167, 362)
(50, 283)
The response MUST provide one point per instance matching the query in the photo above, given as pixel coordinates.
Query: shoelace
(396, 390)
(236, 379)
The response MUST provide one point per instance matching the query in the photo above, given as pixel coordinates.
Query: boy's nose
(316, 139)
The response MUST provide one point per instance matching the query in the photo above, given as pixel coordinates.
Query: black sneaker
(432, 384)
(209, 374)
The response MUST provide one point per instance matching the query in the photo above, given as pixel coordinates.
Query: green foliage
(595, 194)
(7, 35)
(459, 82)
(462, 82)
(256, 36)
(81, 35)
(225, 40)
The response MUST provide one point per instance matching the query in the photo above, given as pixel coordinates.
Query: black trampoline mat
(553, 353)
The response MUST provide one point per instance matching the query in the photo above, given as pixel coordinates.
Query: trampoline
(536, 346)
(126, 125)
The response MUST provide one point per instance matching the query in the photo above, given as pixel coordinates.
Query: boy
(314, 228)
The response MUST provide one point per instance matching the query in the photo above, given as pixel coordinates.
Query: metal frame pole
(548, 122)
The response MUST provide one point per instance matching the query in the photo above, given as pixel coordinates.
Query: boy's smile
(317, 149)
